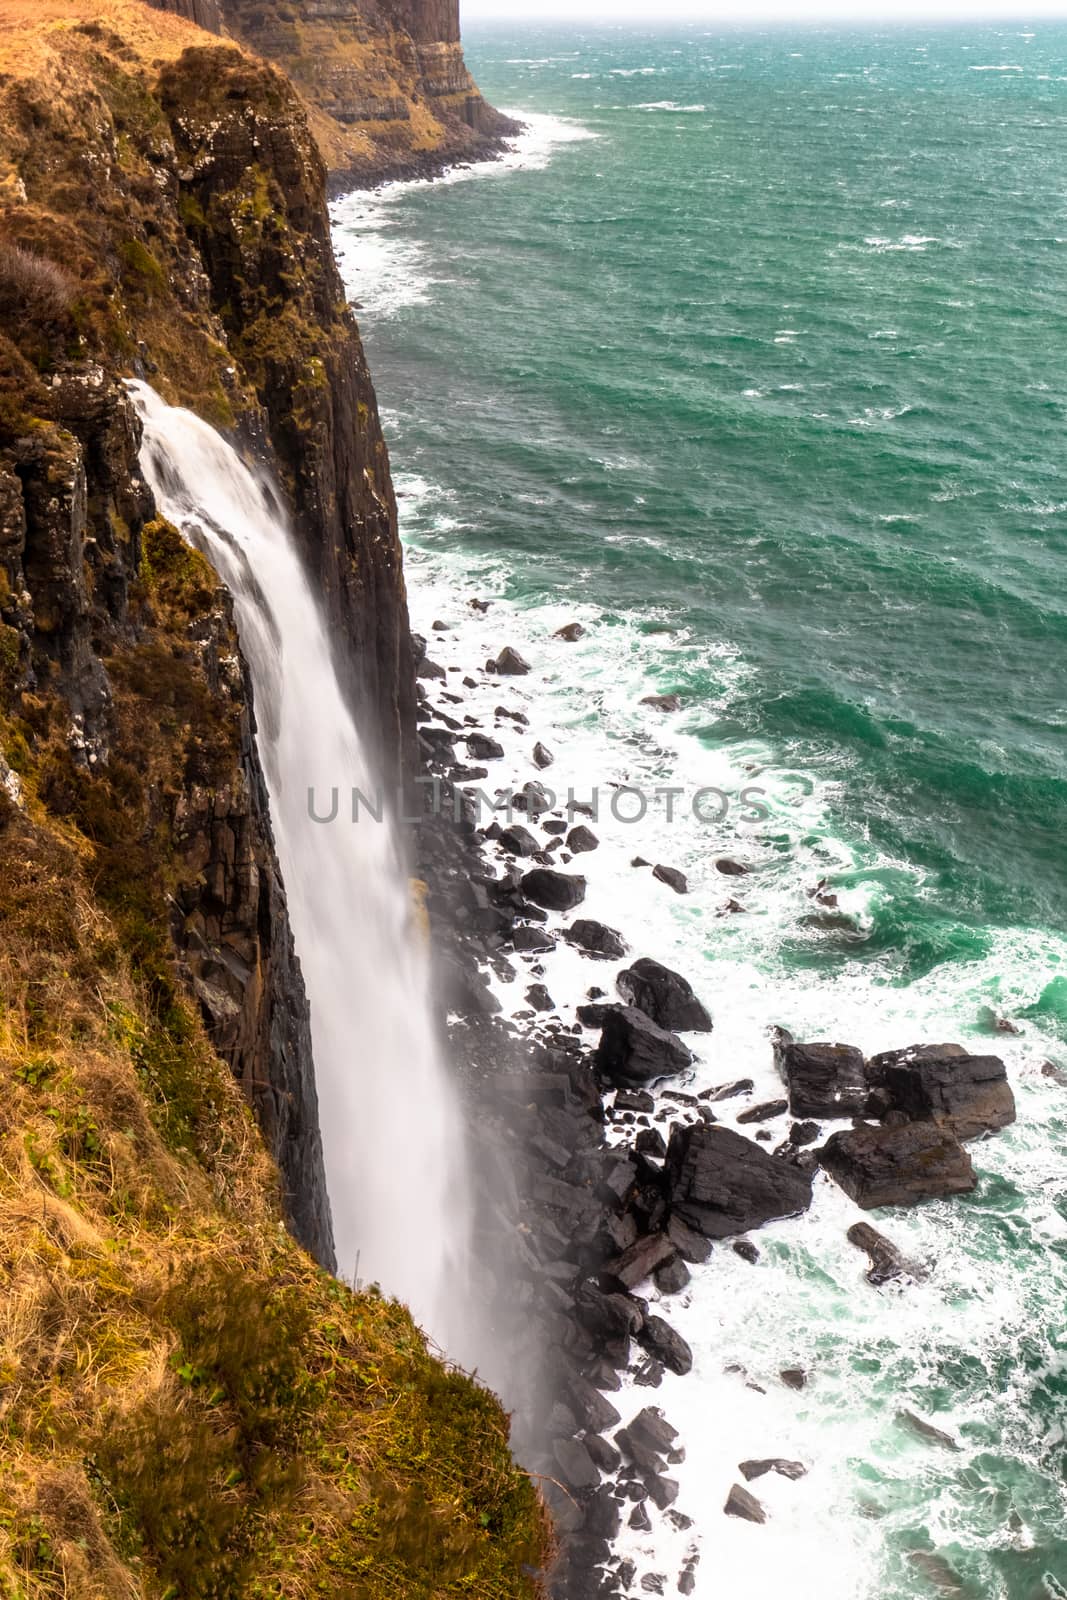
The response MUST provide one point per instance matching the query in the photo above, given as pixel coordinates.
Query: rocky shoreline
(604, 1183)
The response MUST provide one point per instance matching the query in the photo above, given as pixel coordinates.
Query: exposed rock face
(721, 1183)
(898, 1166)
(633, 1050)
(825, 1080)
(387, 83)
(966, 1094)
(663, 995)
(205, 13)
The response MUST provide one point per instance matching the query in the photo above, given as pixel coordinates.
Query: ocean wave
(667, 105)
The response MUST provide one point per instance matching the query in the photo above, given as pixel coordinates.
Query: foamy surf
(384, 271)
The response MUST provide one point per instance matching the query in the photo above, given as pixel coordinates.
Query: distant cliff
(191, 1405)
(385, 81)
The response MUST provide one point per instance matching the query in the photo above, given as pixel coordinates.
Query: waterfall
(391, 1129)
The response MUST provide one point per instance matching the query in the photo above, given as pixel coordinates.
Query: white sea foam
(668, 105)
(385, 270)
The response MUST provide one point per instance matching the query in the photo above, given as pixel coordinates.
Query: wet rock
(518, 841)
(592, 1409)
(640, 1520)
(898, 1166)
(653, 1582)
(663, 702)
(481, 748)
(649, 1374)
(824, 1080)
(764, 1112)
(554, 825)
(730, 908)
(731, 868)
(966, 1094)
(592, 1016)
(509, 664)
(571, 632)
(581, 839)
(729, 1091)
(886, 1260)
(633, 1050)
(639, 861)
(576, 1465)
(555, 891)
(608, 1316)
(603, 1455)
(641, 1260)
(721, 1183)
(542, 756)
(746, 1250)
(529, 939)
(740, 1503)
(794, 1377)
(672, 1277)
(663, 995)
(604, 944)
(672, 878)
(690, 1245)
(926, 1430)
(533, 799)
(634, 1100)
(663, 1343)
(650, 1142)
(538, 997)
(663, 1492)
(802, 1134)
(751, 1470)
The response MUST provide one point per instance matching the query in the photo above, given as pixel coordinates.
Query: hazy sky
(860, 12)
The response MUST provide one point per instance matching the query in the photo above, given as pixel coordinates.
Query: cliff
(385, 81)
(190, 1406)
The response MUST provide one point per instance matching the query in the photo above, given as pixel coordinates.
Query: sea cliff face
(192, 1406)
(386, 84)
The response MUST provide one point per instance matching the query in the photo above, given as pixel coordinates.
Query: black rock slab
(824, 1080)
(555, 891)
(898, 1166)
(633, 1050)
(721, 1183)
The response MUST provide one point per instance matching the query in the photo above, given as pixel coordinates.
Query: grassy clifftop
(188, 1405)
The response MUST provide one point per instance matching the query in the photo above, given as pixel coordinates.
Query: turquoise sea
(754, 359)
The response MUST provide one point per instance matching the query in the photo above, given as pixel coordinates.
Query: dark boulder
(926, 1430)
(592, 1409)
(729, 1091)
(576, 1465)
(659, 1340)
(555, 891)
(603, 1454)
(764, 1112)
(641, 1260)
(510, 664)
(886, 1260)
(663, 995)
(966, 1094)
(571, 632)
(690, 1245)
(672, 1277)
(581, 839)
(481, 748)
(605, 944)
(519, 841)
(750, 1470)
(633, 1050)
(663, 702)
(542, 756)
(721, 1183)
(731, 868)
(898, 1166)
(538, 997)
(531, 939)
(592, 1016)
(824, 1080)
(794, 1377)
(746, 1250)
(672, 878)
(740, 1503)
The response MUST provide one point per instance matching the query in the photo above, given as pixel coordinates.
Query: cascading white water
(391, 1129)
